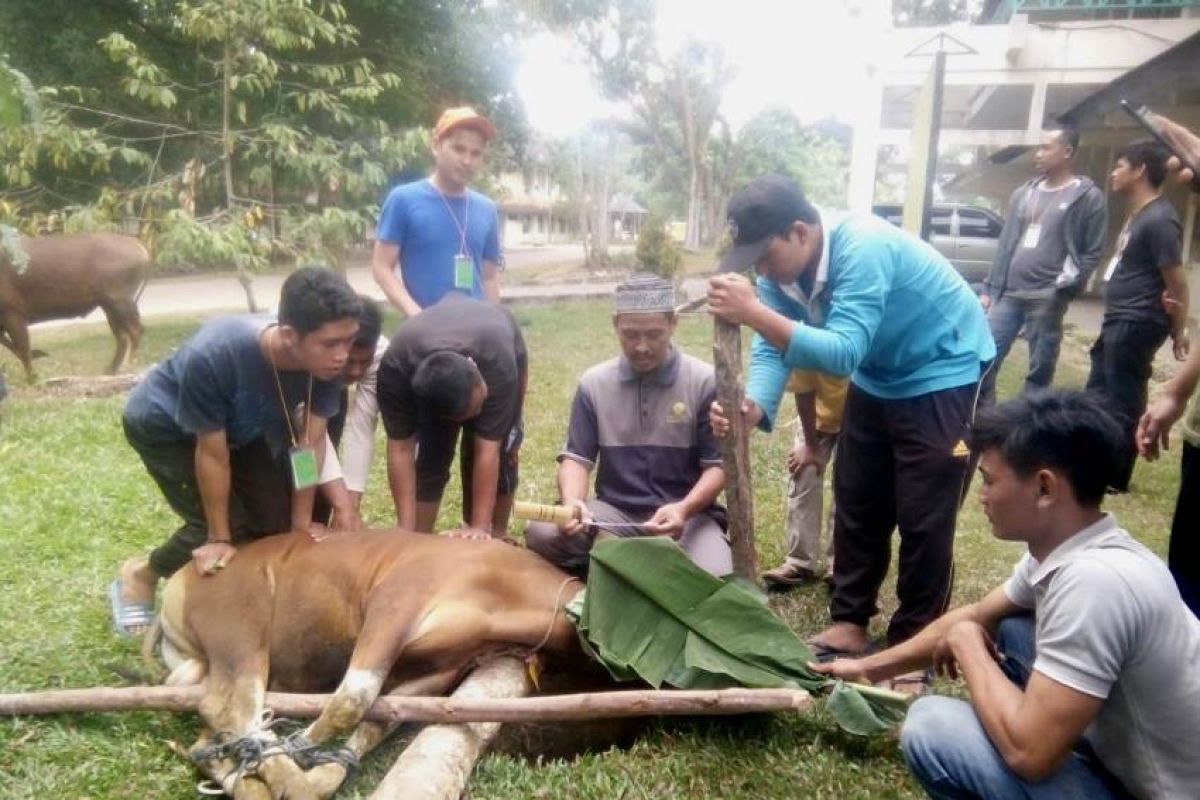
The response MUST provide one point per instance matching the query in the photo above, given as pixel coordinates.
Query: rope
(553, 615)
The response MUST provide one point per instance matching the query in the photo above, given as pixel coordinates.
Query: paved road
(206, 293)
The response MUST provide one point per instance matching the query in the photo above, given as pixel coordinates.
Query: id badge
(1112, 267)
(1032, 234)
(464, 273)
(304, 467)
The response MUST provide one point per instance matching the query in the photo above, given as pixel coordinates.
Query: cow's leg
(220, 772)
(115, 313)
(233, 705)
(327, 778)
(18, 339)
(448, 637)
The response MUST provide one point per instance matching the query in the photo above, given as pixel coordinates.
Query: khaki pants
(805, 504)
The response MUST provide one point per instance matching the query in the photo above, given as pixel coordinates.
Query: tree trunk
(247, 282)
(438, 762)
(735, 452)
(226, 131)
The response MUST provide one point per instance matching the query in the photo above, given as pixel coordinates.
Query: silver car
(966, 235)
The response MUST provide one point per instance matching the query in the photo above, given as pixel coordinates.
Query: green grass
(75, 501)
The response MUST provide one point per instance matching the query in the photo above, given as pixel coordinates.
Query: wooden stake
(727, 359)
(455, 709)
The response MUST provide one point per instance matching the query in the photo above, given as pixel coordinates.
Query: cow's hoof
(326, 779)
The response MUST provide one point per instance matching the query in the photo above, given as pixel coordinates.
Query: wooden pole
(438, 762)
(455, 709)
(727, 359)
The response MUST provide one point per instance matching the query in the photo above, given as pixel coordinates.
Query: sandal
(130, 618)
(913, 684)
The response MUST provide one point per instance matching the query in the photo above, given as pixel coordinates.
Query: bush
(656, 251)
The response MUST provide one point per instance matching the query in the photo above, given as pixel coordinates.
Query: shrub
(656, 252)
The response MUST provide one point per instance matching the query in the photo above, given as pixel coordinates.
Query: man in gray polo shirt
(641, 420)
(1081, 668)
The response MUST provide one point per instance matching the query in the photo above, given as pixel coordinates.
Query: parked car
(966, 235)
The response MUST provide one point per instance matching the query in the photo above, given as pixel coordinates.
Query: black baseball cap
(760, 211)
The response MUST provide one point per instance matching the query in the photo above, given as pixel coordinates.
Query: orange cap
(463, 117)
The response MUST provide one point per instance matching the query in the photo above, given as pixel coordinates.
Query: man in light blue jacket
(860, 298)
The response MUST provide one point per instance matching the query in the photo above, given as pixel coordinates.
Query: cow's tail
(150, 640)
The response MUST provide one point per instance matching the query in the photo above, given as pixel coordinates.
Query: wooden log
(735, 451)
(454, 709)
(440, 759)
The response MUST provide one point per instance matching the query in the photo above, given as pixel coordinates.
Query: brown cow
(69, 276)
(364, 613)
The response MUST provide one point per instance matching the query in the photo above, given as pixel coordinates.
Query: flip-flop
(128, 615)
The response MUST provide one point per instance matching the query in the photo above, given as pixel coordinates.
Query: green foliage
(775, 141)
(228, 243)
(656, 252)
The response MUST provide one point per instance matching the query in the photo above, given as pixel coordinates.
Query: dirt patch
(76, 386)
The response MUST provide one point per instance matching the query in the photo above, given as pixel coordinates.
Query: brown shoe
(787, 576)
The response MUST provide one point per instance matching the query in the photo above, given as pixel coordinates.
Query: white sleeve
(331, 468)
(358, 441)
(1018, 587)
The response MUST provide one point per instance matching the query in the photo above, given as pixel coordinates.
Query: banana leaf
(649, 613)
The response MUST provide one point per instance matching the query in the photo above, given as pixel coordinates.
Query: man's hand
(1154, 428)
(751, 413)
(346, 519)
(985, 300)
(1182, 141)
(1180, 346)
(847, 669)
(964, 636)
(469, 533)
(805, 455)
(668, 520)
(731, 298)
(581, 522)
(211, 558)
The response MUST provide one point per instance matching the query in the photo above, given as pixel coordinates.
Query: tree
(774, 140)
(253, 121)
(917, 13)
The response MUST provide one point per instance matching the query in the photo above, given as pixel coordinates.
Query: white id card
(1032, 234)
(1112, 267)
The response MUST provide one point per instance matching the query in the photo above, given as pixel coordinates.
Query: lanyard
(466, 223)
(287, 417)
(1123, 236)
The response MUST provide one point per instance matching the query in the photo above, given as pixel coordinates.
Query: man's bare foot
(137, 581)
(841, 638)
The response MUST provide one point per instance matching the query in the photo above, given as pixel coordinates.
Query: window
(940, 224)
(977, 224)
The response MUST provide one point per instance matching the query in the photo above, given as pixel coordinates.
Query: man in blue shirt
(232, 429)
(437, 236)
(860, 298)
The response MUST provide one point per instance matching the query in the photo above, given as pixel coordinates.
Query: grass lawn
(75, 501)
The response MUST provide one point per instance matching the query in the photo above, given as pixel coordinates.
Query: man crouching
(1081, 667)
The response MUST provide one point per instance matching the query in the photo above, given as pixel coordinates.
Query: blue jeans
(1042, 320)
(952, 757)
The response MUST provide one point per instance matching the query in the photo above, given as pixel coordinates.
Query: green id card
(464, 273)
(304, 468)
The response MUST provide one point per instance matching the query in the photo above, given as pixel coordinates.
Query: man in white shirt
(1081, 667)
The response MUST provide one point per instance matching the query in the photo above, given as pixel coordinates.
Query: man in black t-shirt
(460, 363)
(1145, 291)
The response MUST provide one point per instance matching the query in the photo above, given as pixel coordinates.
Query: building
(1029, 64)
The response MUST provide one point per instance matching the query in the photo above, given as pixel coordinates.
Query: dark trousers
(259, 498)
(436, 440)
(900, 463)
(1183, 552)
(1122, 358)
(1042, 321)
